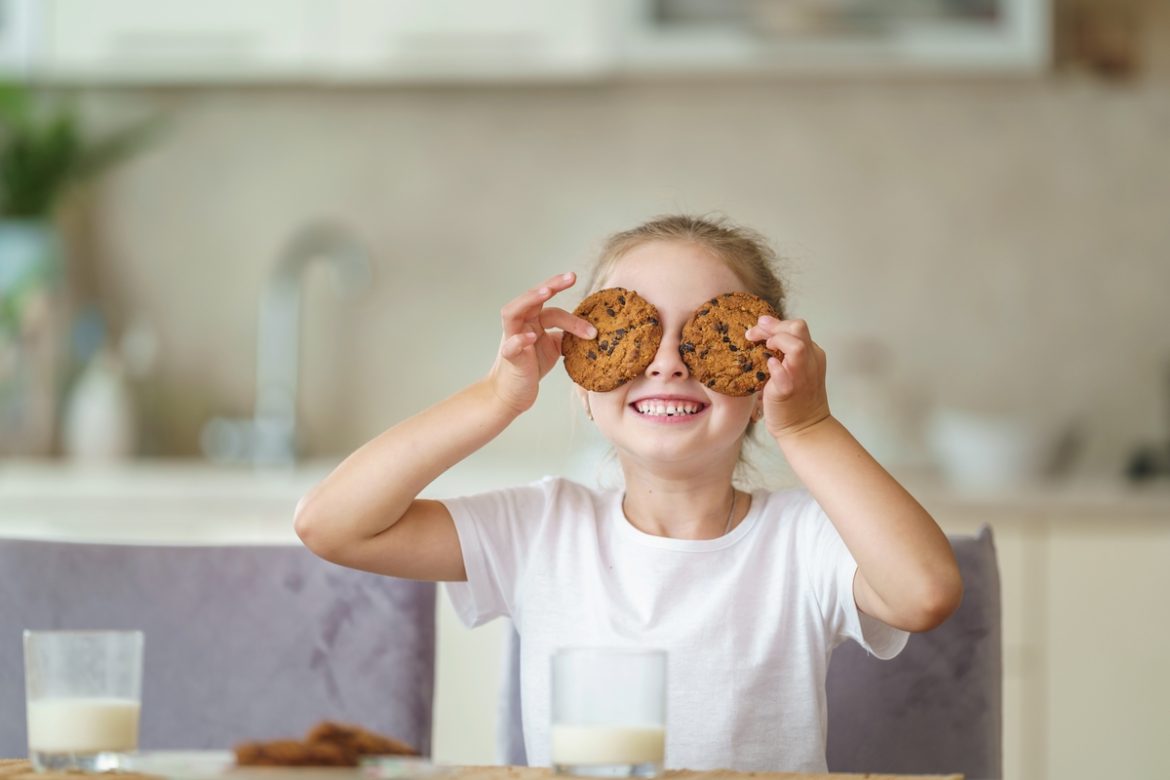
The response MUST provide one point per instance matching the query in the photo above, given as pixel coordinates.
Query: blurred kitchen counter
(190, 501)
(180, 501)
(1070, 498)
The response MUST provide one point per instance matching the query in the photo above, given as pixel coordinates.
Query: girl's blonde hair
(742, 249)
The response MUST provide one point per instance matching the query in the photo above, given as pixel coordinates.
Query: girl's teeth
(668, 409)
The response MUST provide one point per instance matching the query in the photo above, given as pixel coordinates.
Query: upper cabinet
(461, 40)
(852, 37)
(403, 41)
(166, 41)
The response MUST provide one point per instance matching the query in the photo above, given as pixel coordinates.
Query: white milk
(82, 725)
(607, 744)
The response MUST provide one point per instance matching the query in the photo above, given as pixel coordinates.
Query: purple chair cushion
(937, 708)
(241, 642)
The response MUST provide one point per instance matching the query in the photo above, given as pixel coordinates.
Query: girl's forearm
(900, 551)
(373, 487)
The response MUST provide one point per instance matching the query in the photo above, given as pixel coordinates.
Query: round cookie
(628, 335)
(715, 350)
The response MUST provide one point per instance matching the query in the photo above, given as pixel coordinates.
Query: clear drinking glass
(608, 712)
(83, 692)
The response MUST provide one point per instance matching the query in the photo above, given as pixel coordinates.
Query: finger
(788, 345)
(798, 328)
(520, 310)
(514, 345)
(525, 307)
(780, 381)
(765, 326)
(553, 317)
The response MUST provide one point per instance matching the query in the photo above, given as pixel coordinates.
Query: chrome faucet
(270, 437)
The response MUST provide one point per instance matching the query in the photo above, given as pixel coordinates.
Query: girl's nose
(667, 360)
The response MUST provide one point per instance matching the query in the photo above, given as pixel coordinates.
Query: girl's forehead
(673, 275)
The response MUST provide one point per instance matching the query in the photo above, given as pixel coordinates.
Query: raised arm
(366, 513)
(907, 575)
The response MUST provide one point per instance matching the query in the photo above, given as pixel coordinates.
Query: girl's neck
(690, 510)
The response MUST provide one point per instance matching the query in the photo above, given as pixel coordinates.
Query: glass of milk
(608, 712)
(83, 696)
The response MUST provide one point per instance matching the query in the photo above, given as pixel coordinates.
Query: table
(20, 769)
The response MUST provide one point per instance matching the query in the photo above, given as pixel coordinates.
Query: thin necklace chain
(730, 510)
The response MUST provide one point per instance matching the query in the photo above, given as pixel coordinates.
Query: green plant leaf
(43, 152)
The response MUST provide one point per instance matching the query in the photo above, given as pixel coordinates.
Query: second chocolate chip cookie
(715, 350)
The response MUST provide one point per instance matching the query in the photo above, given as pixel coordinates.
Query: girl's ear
(583, 394)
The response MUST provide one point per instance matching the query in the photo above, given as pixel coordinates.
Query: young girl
(748, 591)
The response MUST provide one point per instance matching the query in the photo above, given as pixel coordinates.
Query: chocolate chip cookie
(628, 335)
(715, 350)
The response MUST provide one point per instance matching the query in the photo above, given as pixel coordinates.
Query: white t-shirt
(748, 619)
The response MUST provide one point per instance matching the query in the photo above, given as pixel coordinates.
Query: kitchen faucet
(270, 437)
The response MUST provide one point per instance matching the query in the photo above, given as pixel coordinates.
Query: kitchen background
(983, 253)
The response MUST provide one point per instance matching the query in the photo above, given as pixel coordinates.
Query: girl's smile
(669, 409)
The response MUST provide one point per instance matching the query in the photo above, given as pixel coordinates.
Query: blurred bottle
(101, 419)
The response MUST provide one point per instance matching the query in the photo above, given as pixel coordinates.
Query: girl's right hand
(527, 349)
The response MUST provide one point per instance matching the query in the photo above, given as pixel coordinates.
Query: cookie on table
(291, 752)
(357, 740)
(715, 350)
(628, 335)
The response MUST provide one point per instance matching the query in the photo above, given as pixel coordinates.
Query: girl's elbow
(940, 600)
(307, 524)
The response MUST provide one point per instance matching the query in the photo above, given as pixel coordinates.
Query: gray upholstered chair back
(242, 642)
(938, 707)
(935, 709)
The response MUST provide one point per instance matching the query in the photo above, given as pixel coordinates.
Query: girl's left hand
(794, 397)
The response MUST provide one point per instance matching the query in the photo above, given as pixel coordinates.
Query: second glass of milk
(84, 693)
(608, 711)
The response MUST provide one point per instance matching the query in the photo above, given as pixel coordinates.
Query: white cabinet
(792, 38)
(1109, 650)
(168, 41)
(467, 39)
(152, 41)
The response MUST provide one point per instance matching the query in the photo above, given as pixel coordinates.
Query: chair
(935, 709)
(241, 642)
(938, 706)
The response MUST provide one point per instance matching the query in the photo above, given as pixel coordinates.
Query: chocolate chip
(622, 300)
(726, 339)
(710, 383)
(714, 301)
(620, 332)
(761, 376)
(686, 347)
(604, 344)
(720, 327)
(591, 355)
(703, 354)
(745, 367)
(610, 312)
(733, 348)
(703, 312)
(652, 320)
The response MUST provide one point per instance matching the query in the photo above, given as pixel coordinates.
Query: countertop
(181, 501)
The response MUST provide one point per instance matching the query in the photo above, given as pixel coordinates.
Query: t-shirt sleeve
(832, 572)
(495, 535)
